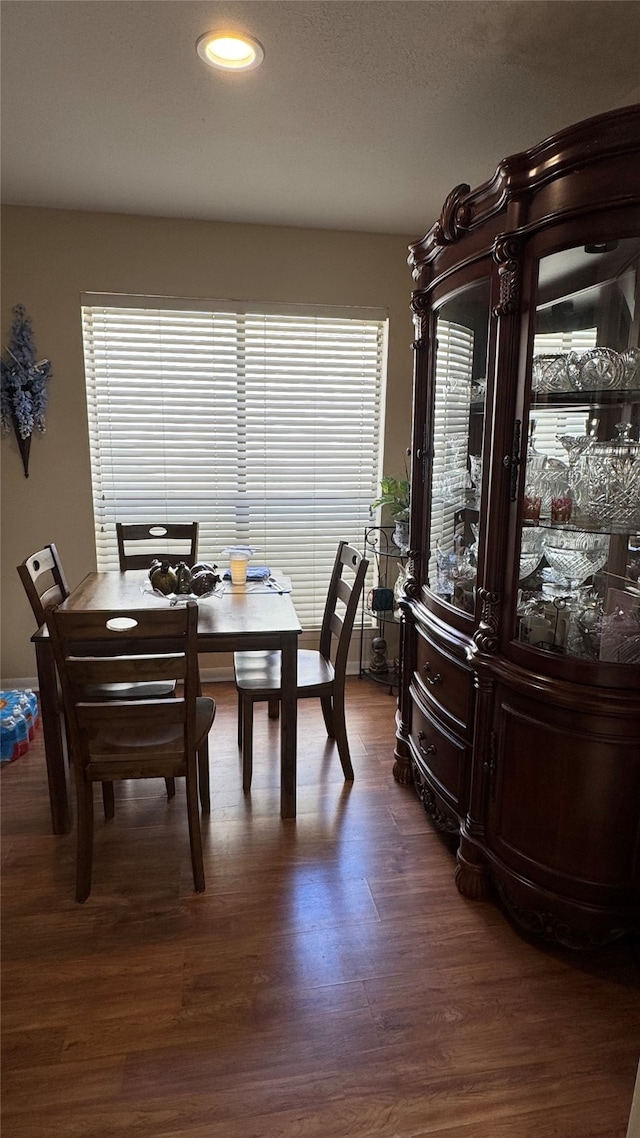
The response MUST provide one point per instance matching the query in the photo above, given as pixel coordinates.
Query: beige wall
(49, 257)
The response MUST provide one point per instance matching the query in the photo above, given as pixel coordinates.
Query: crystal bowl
(596, 370)
(549, 373)
(574, 554)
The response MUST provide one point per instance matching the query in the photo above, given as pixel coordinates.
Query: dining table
(240, 618)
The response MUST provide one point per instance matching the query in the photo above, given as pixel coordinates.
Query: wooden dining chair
(321, 673)
(44, 581)
(164, 541)
(134, 738)
(45, 584)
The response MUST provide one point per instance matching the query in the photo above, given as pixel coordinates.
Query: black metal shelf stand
(382, 552)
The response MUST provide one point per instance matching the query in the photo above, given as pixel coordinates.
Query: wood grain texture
(331, 982)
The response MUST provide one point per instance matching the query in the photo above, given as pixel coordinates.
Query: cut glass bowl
(596, 370)
(574, 554)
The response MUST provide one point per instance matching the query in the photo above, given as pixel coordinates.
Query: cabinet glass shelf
(581, 526)
(584, 399)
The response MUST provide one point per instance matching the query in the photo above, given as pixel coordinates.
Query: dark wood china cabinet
(519, 705)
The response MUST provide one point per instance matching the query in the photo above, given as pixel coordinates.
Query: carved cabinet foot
(402, 771)
(471, 877)
(402, 766)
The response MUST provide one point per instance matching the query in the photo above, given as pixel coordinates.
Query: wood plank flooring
(330, 983)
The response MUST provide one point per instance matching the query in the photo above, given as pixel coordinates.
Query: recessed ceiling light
(230, 51)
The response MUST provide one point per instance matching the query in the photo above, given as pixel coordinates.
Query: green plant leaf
(394, 493)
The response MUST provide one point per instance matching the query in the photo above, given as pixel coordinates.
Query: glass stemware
(585, 625)
(475, 478)
(577, 447)
(530, 551)
(452, 566)
(631, 360)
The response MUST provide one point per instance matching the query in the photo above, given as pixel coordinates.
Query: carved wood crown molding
(421, 306)
(411, 585)
(485, 638)
(576, 147)
(507, 253)
(454, 219)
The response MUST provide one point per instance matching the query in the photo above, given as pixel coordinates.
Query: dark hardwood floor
(330, 983)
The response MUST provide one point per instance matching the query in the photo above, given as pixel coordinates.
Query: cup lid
(240, 551)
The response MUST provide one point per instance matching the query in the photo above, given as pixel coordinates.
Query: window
(263, 426)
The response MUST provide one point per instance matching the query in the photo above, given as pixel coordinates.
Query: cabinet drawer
(443, 758)
(445, 682)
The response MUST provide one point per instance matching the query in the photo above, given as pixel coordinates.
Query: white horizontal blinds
(261, 426)
(553, 343)
(454, 369)
(553, 421)
(312, 438)
(157, 423)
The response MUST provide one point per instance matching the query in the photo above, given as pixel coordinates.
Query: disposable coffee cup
(238, 561)
(239, 557)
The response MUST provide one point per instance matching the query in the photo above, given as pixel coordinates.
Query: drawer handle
(431, 749)
(431, 680)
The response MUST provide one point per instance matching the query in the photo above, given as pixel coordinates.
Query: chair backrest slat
(163, 541)
(133, 713)
(93, 625)
(337, 625)
(343, 591)
(128, 670)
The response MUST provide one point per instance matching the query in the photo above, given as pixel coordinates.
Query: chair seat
(114, 745)
(260, 673)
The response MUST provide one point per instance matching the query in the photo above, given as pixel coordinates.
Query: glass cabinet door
(579, 592)
(456, 448)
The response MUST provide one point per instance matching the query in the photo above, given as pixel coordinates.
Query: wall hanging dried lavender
(23, 385)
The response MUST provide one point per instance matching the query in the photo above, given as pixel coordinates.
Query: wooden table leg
(53, 739)
(288, 726)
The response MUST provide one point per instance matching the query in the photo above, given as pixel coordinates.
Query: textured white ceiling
(363, 115)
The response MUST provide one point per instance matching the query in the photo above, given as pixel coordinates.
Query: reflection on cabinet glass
(580, 540)
(458, 420)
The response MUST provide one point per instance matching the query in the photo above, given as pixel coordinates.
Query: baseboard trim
(208, 675)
